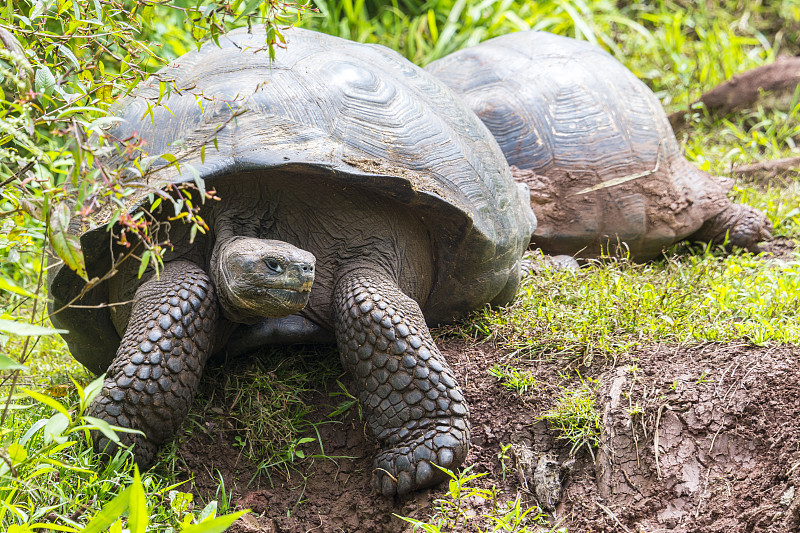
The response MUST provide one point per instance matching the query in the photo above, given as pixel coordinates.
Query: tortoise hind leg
(536, 261)
(153, 379)
(409, 394)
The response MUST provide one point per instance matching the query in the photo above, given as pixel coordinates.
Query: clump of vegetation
(452, 511)
(575, 416)
(520, 381)
(262, 404)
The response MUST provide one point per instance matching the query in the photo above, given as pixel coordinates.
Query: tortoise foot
(412, 402)
(411, 464)
(153, 379)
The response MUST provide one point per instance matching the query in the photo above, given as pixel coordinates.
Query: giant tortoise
(338, 164)
(605, 172)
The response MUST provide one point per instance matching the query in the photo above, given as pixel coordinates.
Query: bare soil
(695, 438)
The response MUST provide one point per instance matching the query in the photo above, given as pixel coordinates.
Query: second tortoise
(605, 171)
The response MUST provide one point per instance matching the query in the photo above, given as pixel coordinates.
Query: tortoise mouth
(293, 299)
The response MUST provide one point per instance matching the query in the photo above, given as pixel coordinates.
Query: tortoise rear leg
(153, 379)
(535, 261)
(409, 394)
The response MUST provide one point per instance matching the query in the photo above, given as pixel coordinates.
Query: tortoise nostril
(308, 269)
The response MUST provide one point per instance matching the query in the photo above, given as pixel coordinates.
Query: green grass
(513, 379)
(613, 306)
(453, 512)
(261, 404)
(574, 416)
(50, 477)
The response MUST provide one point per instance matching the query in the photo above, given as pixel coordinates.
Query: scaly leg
(152, 382)
(409, 394)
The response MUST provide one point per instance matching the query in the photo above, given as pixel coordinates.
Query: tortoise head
(739, 225)
(259, 278)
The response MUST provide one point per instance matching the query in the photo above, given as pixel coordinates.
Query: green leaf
(138, 514)
(215, 525)
(55, 427)
(180, 501)
(17, 453)
(47, 400)
(144, 262)
(69, 55)
(6, 363)
(208, 512)
(109, 514)
(91, 391)
(32, 431)
(103, 427)
(44, 82)
(27, 330)
(248, 9)
(172, 161)
(66, 246)
(200, 182)
(10, 287)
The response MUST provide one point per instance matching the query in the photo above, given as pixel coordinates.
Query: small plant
(635, 410)
(513, 379)
(575, 416)
(452, 514)
(349, 402)
(704, 379)
(505, 457)
(516, 519)
(450, 511)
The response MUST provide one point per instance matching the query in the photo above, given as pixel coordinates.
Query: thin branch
(772, 166)
(19, 173)
(745, 89)
(25, 346)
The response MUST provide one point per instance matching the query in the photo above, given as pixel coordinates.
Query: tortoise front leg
(153, 379)
(408, 392)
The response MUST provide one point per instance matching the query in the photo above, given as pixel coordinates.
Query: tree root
(747, 88)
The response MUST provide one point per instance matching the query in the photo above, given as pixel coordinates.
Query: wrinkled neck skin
(344, 228)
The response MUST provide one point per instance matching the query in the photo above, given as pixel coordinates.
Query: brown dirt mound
(703, 438)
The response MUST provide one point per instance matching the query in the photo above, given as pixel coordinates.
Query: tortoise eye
(275, 266)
